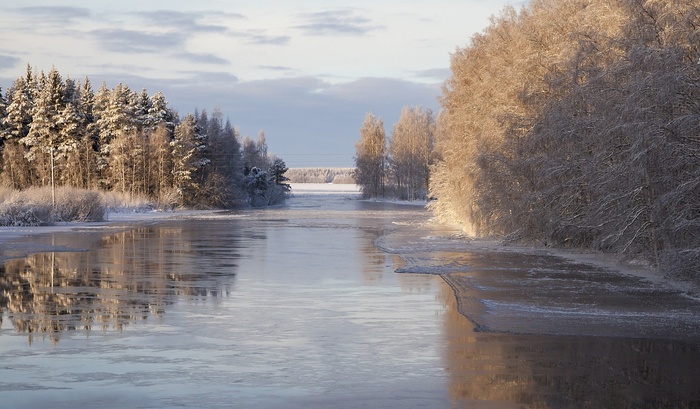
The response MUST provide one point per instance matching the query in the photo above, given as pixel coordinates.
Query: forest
(576, 123)
(61, 133)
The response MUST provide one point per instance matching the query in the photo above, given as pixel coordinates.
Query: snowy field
(324, 188)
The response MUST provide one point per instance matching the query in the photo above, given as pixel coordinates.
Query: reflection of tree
(566, 372)
(126, 278)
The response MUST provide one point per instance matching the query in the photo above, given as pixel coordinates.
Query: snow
(324, 188)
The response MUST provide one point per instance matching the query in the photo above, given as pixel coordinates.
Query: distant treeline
(321, 175)
(577, 123)
(62, 133)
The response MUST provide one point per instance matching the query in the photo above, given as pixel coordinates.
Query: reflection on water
(123, 278)
(566, 372)
(297, 307)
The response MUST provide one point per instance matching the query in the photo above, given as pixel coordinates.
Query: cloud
(264, 39)
(209, 79)
(440, 74)
(304, 116)
(185, 21)
(336, 22)
(131, 41)
(202, 58)
(277, 68)
(8, 61)
(54, 14)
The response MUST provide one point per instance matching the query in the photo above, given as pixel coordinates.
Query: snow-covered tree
(410, 150)
(44, 137)
(18, 114)
(370, 159)
(159, 113)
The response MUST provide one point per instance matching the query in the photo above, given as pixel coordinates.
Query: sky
(304, 72)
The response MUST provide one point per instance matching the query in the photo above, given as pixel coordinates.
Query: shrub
(34, 207)
(126, 203)
(17, 209)
(74, 204)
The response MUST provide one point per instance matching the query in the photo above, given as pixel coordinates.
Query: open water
(300, 307)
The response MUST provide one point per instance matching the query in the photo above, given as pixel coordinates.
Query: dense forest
(56, 132)
(577, 123)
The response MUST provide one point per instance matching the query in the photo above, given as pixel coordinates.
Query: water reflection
(123, 278)
(565, 372)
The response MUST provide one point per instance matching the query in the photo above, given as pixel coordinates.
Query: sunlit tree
(370, 158)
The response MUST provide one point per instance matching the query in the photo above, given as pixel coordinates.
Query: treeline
(321, 175)
(59, 132)
(397, 167)
(577, 123)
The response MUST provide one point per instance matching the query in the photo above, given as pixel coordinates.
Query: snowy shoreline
(114, 221)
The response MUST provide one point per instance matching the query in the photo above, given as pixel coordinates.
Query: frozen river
(300, 307)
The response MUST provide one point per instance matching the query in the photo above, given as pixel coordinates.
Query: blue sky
(305, 72)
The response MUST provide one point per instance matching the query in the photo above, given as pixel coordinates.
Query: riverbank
(13, 245)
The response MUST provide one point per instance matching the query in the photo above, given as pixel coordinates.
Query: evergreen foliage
(56, 131)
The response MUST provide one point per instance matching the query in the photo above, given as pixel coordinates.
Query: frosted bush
(34, 207)
(16, 210)
(126, 203)
(79, 205)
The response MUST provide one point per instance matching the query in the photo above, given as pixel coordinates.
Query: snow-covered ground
(324, 188)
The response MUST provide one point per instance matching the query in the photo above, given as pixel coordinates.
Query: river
(300, 306)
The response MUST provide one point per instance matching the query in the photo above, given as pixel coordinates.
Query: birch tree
(410, 151)
(370, 158)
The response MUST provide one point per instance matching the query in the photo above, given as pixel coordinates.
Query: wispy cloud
(277, 68)
(131, 41)
(54, 14)
(187, 21)
(202, 58)
(433, 73)
(264, 39)
(336, 22)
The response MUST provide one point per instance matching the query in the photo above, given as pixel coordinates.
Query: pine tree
(185, 161)
(18, 114)
(43, 138)
(159, 113)
(142, 110)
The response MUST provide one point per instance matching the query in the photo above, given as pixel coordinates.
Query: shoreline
(15, 240)
(593, 258)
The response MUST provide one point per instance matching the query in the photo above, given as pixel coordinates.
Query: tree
(410, 151)
(277, 170)
(184, 147)
(16, 170)
(43, 139)
(571, 123)
(370, 157)
(60, 131)
(161, 160)
(255, 153)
